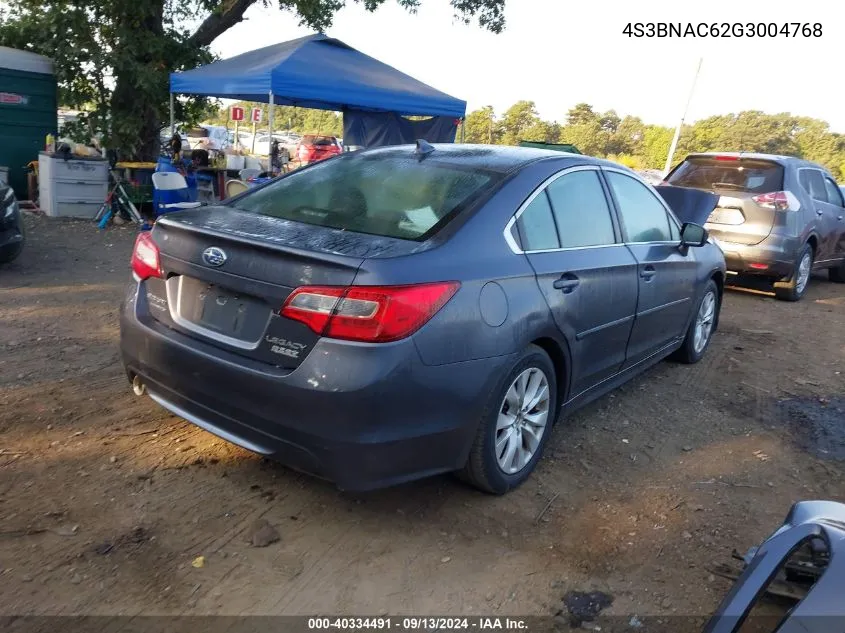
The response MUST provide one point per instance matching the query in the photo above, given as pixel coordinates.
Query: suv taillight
(374, 314)
(145, 257)
(778, 200)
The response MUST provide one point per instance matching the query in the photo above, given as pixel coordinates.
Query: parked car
(12, 232)
(286, 142)
(313, 148)
(392, 314)
(778, 217)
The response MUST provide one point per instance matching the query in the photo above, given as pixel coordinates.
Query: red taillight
(375, 314)
(727, 158)
(145, 259)
(778, 200)
(758, 266)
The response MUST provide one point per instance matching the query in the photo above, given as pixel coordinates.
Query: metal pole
(270, 116)
(681, 124)
(463, 125)
(172, 115)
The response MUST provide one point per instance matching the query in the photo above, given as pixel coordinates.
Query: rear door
(666, 273)
(744, 215)
(587, 276)
(812, 181)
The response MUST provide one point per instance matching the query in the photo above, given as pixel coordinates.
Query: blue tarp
(316, 72)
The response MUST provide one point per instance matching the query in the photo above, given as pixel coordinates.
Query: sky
(561, 52)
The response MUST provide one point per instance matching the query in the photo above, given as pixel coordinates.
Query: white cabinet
(73, 188)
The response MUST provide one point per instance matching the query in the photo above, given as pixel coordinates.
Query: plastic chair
(248, 172)
(235, 187)
(174, 183)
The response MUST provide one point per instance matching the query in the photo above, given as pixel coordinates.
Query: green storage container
(28, 111)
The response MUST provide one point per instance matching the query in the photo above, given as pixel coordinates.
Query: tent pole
(270, 115)
(172, 114)
(463, 125)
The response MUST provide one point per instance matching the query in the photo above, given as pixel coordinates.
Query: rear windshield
(744, 174)
(392, 196)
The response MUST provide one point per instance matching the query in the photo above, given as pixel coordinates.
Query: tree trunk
(135, 117)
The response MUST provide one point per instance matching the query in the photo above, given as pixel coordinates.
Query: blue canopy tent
(315, 72)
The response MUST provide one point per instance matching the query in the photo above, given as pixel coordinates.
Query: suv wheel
(795, 287)
(515, 425)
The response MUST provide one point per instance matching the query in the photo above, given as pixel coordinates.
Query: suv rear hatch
(750, 194)
(222, 275)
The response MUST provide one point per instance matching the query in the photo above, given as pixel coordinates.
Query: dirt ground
(106, 500)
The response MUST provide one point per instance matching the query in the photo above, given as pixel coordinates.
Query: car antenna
(424, 148)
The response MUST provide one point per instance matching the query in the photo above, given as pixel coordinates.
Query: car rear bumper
(361, 416)
(773, 257)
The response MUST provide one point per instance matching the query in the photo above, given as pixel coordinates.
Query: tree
(517, 120)
(481, 127)
(581, 114)
(628, 137)
(656, 142)
(113, 57)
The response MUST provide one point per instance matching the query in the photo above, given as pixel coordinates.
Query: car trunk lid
(227, 274)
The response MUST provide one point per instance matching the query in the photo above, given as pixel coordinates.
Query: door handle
(839, 218)
(648, 272)
(567, 282)
(819, 212)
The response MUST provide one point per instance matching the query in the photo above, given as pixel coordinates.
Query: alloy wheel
(522, 420)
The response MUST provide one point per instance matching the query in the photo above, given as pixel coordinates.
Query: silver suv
(778, 217)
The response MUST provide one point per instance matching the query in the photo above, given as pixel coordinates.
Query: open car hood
(690, 205)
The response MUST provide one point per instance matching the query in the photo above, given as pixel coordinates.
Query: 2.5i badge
(285, 347)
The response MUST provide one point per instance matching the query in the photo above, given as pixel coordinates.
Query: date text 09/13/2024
(723, 29)
(417, 623)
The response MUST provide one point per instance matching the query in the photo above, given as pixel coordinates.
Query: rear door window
(728, 173)
(812, 181)
(393, 196)
(643, 216)
(834, 194)
(536, 225)
(581, 211)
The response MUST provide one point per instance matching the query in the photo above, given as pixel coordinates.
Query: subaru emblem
(214, 256)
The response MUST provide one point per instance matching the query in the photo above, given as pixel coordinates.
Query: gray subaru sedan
(391, 314)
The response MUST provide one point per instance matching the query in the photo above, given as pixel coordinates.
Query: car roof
(502, 158)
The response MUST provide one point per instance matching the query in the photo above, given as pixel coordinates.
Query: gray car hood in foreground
(690, 205)
(822, 610)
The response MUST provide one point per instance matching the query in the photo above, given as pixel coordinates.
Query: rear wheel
(515, 426)
(701, 328)
(794, 288)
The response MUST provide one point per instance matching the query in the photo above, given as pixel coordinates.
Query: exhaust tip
(138, 386)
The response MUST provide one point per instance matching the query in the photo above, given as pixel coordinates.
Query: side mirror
(693, 234)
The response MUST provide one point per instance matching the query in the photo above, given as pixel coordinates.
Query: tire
(795, 287)
(701, 327)
(11, 253)
(483, 468)
(837, 274)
